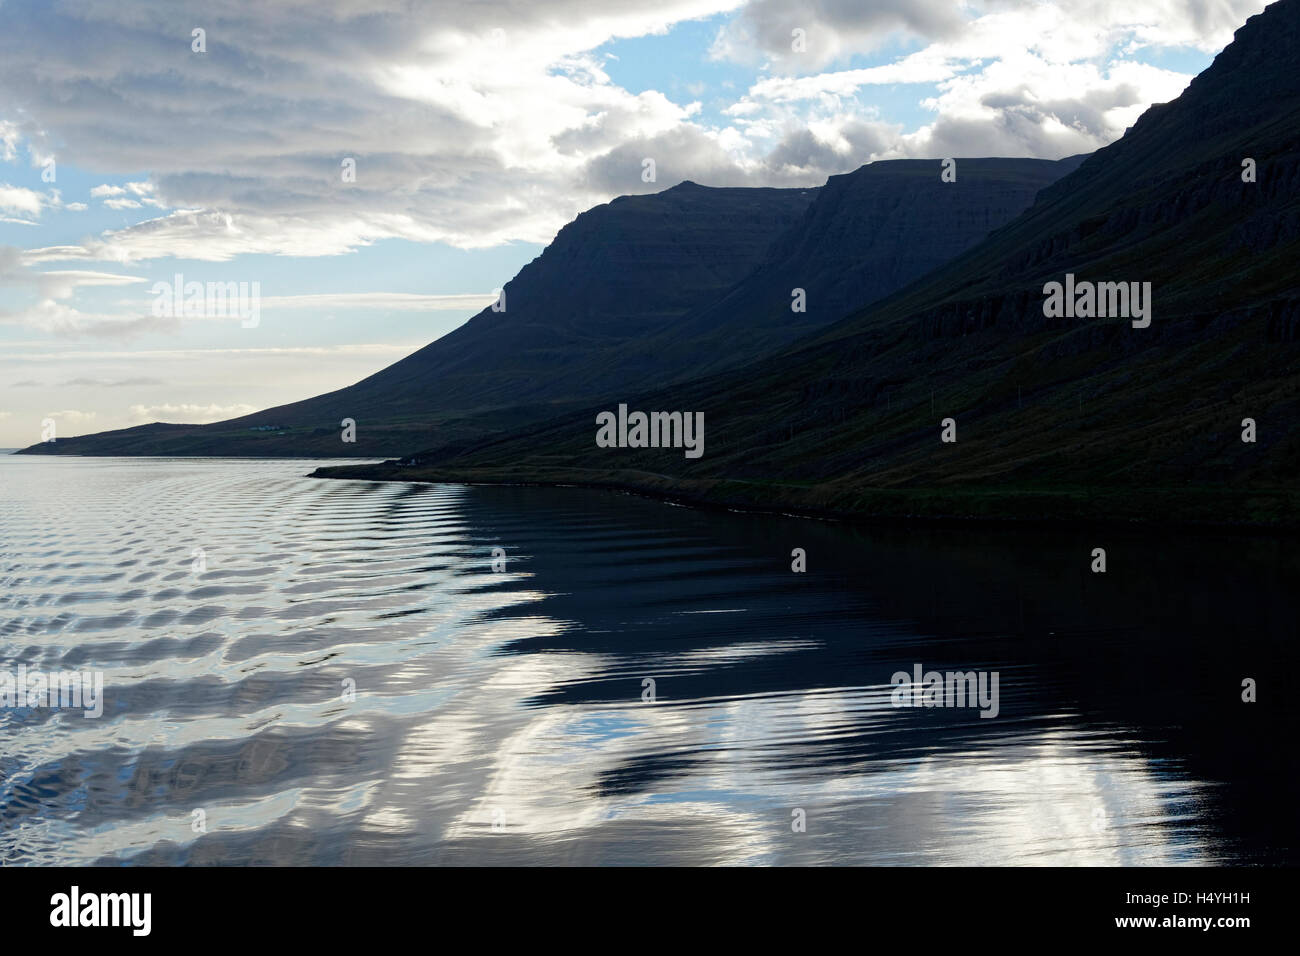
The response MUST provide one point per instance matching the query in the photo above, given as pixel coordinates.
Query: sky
(379, 169)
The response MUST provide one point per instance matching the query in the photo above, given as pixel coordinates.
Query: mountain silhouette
(1053, 417)
(636, 293)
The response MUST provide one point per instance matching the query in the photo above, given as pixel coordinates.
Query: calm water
(498, 715)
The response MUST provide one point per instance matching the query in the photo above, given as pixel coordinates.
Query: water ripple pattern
(299, 671)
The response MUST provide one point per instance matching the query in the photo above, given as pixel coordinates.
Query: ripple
(333, 672)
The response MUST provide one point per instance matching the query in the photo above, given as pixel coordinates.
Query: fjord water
(499, 714)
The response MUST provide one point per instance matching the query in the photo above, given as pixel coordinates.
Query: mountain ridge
(624, 297)
(1084, 419)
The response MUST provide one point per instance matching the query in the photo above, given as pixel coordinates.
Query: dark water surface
(499, 718)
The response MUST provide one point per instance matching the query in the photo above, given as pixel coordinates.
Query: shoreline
(1259, 511)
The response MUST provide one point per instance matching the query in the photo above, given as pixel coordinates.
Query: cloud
(835, 30)
(72, 417)
(190, 414)
(53, 284)
(9, 139)
(679, 153)
(836, 146)
(62, 283)
(115, 197)
(832, 29)
(1026, 106)
(928, 66)
(59, 318)
(479, 123)
(449, 113)
(21, 200)
(50, 312)
(1046, 80)
(120, 383)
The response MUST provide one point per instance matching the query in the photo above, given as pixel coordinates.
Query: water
(498, 715)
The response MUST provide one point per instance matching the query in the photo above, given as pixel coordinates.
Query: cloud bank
(477, 123)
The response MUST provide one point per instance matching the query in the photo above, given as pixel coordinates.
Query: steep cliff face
(872, 232)
(867, 234)
(848, 419)
(621, 271)
(654, 289)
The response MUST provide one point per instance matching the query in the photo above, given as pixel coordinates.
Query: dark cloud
(832, 29)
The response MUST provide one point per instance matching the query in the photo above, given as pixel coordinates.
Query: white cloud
(16, 272)
(146, 192)
(187, 413)
(928, 66)
(9, 139)
(1042, 80)
(29, 202)
(59, 318)
(72, 417)
(49, 311)
(62, 283)
(21, 200)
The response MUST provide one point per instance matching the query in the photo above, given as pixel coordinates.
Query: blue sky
(477, 131)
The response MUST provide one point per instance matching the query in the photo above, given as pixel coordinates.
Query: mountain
(621, 269)
(1055, 417)
(636, 293)
(865, 235)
